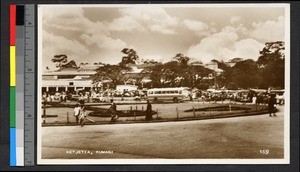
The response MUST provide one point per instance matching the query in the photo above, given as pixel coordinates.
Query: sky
(98, 33)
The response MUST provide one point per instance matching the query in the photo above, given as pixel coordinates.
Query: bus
(175, 94)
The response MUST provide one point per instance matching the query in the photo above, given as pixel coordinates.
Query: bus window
(180, 92)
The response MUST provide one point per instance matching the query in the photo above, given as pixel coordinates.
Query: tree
(215, 61)
(273, 75)
(271, 63)
(245, 74)
(62, 61)
(147, 61)
(273, 51)
(130, 58)
(155, 74)
(225, 78)
(175, 74)
(114, 73)
(194, 75)
(235, 60)
(182, 59)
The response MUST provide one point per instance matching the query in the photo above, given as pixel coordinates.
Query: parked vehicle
(99, 98)
(279, 95)
(76, 97)
(243, 96)
(175, 94)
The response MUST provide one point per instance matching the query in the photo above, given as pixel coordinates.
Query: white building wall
(66, 83)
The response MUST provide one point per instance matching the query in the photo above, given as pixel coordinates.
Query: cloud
(194, 25)
(71, 18)
(161, 29)
(144, 19)
(235, 19)
(126, 23)
(68, 31)
(241, 29)
(103, 41)
(53, 45)
(225, 45)
(269, 30)
(200, 28)
(248, 48)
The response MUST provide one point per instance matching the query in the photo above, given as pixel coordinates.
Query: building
(69, 79)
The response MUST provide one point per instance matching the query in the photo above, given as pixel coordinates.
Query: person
(63, 96)
(149, 111)
(254, 98)
(81, 100)
(77, 113)
(113, 110)
(271, 105)
(82, 115)
(191, 97)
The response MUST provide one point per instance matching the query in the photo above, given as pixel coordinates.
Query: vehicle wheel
(175, 100)
(155, 99)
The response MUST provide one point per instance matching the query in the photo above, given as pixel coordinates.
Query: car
(242, 96)
(99, 99)
(76, 97)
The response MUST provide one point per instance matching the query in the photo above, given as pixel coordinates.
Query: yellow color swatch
(12, 65)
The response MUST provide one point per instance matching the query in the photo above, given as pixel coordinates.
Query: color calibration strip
(13, 85)
(17, 56)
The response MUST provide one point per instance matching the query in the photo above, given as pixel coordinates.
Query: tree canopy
(130, 57)
(61, 61)
(267, 71)
(271, 62)
(113, 73)
(177, 73)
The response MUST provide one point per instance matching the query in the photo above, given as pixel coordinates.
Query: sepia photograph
(163, 84)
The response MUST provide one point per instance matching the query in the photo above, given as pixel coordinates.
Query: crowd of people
(90, 96)
(109, 94)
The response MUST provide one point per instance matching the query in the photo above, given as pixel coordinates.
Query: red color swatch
(12, 25)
